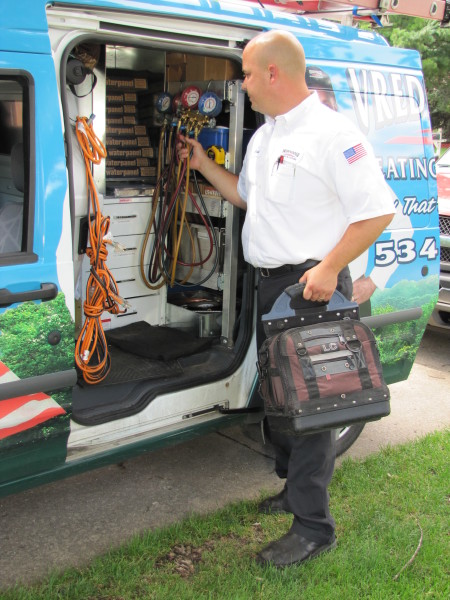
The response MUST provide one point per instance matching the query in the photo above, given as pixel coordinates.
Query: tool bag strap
(354, 344)
(309, 374)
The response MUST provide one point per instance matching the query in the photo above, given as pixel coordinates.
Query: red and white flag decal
(354, 153)
(24, 412)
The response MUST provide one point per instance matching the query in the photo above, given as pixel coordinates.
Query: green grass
(381, 505)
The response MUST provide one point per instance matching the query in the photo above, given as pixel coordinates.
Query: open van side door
(36, 281)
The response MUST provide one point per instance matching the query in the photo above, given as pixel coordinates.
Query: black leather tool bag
(322, 375)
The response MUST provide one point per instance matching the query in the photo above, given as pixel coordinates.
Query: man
(315, 200)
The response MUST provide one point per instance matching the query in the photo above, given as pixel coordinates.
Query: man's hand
(185, 146)
(321, 282)
(224, 181)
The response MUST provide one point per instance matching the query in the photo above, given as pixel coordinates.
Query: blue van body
(52, 423)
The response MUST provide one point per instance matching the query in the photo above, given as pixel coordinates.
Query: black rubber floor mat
(156, 342)
(130, 367)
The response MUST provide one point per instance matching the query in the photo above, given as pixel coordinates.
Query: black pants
(306, 462)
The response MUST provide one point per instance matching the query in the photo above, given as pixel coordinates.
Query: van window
(15, 209)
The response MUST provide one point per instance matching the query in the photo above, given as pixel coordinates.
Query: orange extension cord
(91, 350)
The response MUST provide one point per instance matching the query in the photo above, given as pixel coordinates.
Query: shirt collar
(298, 112)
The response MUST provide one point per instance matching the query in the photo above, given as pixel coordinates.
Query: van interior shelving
(189, 324)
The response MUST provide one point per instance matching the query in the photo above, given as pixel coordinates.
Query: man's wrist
(331, 267)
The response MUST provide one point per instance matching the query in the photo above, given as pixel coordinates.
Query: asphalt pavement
(68, 523)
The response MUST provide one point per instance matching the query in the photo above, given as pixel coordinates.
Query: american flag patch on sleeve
(354, 153)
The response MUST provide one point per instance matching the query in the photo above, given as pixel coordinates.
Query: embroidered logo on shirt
(290, 154)
(355, 153)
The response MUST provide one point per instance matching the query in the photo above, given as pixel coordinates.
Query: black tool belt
(265, 272)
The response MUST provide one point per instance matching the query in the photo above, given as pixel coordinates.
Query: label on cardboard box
(131, 153)
(143, 141)
(123, 130)
(113, 172)
(121, 83)
(114, 98)
(130, 172)
(120, 110)
(133, 162)
(129, 97)
(114, 142)
(147, 171)
(140, 130)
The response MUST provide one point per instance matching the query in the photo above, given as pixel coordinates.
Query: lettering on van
(399, 167)
(385, 98)
(412, 205)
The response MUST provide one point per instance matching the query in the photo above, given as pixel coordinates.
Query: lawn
(392, 514)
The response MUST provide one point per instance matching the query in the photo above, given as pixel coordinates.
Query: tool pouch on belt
(322, 376)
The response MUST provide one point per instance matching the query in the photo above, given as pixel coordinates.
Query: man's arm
(363, 288)
(321, 280)
(224, 181)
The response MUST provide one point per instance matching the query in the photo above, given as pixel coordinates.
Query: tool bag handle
(292, 310)
(295, 292)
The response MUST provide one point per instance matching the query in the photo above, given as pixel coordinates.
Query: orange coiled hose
(91, 350)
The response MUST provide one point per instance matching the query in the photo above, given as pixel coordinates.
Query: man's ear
(273, 72)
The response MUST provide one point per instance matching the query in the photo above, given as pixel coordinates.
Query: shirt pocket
(281, 182)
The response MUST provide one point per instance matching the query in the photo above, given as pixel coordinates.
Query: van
(127, 312)
(440, 317)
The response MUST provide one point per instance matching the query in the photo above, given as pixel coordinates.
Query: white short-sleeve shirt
(307, 175)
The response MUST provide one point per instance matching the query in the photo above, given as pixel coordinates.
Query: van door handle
(48, 291)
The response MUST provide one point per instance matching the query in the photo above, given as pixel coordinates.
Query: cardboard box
(205, 68)
(175, 58)
(176, 66)
(196, 67)
(176, 72)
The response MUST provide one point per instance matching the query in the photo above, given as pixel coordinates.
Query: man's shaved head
(281, 48)
(274, 67)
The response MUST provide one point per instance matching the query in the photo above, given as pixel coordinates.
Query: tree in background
(433, 43)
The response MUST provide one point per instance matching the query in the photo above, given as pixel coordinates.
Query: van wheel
(347, 436)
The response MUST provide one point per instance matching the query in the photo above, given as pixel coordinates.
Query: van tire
(347, 436)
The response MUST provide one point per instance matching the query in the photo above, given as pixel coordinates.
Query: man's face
(256, 80)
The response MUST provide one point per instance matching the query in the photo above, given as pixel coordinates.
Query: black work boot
(275, 504)
(292, 549)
